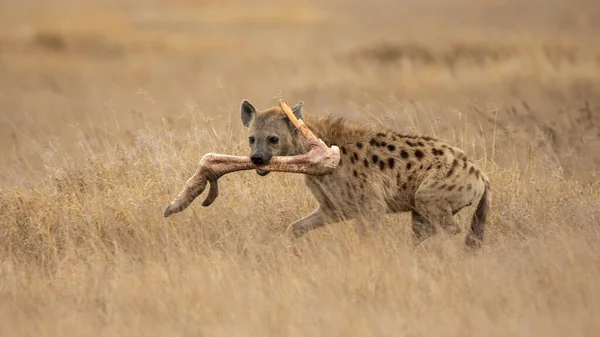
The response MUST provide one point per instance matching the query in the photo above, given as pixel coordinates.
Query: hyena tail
(475, 234)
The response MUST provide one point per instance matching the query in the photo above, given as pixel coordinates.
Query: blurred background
(515, 77)
(106, 107)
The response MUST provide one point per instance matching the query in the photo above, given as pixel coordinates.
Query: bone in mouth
(319, 160)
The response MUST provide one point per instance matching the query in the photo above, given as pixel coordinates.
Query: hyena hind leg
(437, 213)
(443, 218)
(422, 227)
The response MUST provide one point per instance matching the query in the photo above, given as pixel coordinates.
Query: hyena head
(271, 133)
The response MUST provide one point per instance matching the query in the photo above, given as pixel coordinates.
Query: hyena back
(380, 172)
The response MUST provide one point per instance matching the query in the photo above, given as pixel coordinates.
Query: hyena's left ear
(248, 112)
(297, 110)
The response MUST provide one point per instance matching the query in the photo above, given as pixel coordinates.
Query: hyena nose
(257, 159)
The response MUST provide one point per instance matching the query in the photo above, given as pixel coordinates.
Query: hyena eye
(251, 140)
(273, 140)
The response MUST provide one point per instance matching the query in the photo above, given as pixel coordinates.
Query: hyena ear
(297, 110)
(248, 112)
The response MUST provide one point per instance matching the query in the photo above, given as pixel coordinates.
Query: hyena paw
(296, 230)
(453, 229)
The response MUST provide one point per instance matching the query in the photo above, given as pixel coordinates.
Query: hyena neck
(330, 129)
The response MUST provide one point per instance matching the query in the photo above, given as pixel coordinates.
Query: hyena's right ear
(297, 110)
(248, 112)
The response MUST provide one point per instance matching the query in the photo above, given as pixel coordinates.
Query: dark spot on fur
(465, 163)
(419, 154)
(343, 150)
(404, 186)
(471, 170)
(437, 152)
(375, 159)
(428, 167)
(451, 187)
(477, 174)
(352, 160)
(380, 134)
(355, 173)
(383, 144)
(366, 163)
(391, 147)
(439, 167)
(359, 145)
(398, 178)
(372, 142)
(391, 163)
(460, 188)
(355, 156)
(442, 186)
(381, 165)
(404, 154)
(433, 184)
(409, 143)
(420, 144)
(408, 165)
(454, 165)
(469, 187)
(410, 178)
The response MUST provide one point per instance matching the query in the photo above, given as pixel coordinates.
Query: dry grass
(105, 114)
(87, 253)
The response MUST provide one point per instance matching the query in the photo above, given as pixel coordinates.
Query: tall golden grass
(104, 115)
(87, 252)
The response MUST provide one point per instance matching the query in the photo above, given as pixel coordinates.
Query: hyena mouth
(262, 173)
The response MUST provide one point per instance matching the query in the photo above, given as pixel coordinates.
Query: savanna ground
(106, 107)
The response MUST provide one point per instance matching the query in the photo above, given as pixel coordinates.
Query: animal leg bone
(319, 160)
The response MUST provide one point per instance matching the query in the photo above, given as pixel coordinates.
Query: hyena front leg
(314, 220)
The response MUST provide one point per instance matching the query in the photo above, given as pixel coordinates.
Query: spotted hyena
(380, 172)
